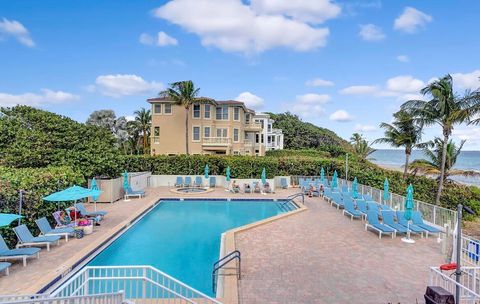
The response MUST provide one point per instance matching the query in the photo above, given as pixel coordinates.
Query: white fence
(469, 283)
(141, 284)
(110, 298)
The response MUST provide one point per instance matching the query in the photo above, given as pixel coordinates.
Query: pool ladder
(292, 197)
(220, 264)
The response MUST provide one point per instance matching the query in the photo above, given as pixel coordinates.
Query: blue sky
(343, 65)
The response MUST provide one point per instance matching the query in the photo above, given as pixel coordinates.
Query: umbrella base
(408, 240)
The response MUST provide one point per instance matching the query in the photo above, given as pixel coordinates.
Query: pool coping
(125, 225)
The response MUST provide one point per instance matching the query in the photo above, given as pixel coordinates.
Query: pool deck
(314, 256)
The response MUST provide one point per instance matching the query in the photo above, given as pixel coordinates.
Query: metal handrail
(224, 261)
(290, 198)
(110, 298)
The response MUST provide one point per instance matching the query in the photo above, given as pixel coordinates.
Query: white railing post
(434, 214)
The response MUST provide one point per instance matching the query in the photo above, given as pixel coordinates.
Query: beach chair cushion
(350, 209)
(389, 220)
(402, 221)
(417, 219)
(7, 252)
(25, 236)
(80, 207)
(179, 181)
(188, 181)
(198, 181)
(372, 218)
(4, 266)
(45, 227)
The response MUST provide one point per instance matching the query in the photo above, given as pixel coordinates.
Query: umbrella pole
(407, 239)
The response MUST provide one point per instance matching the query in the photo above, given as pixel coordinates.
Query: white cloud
(317, 11)
(16, 30)
(163, 39)
(251, 101)
(470, 134)
(403, 58)
(404, 84)
(125, 84)
(32, 99)
(318, 82)
(360, 90)
(411, 20)
(371, 32)
(341, 116)
(312, 98)
(233, 26)
(469, 81)
(364, 128)
(309, 105)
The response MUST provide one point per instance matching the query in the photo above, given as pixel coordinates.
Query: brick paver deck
(320, 256)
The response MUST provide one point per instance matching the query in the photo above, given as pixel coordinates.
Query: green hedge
(36, 183)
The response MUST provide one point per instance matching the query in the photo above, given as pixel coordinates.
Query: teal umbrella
(322, 175)
(409, 204)
(126, 185)
(264, 176)
(386, 194)
(206, 171)
(355, 188)
(72, 194)
(334, 180)
(7, 218)
(228, 174)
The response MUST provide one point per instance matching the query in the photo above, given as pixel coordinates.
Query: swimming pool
(182, 238)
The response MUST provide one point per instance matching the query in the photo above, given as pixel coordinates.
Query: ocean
(467, 160)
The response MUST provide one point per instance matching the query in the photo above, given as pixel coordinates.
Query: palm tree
(403, 132)
(445, 109)
(363, 149)
(432, 165)
(185, 94)
(356, 138)
(144, 119)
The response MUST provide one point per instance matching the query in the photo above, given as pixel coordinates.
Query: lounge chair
(327, 193)
(349, 209)
(247, 188)
(362, 208)
(267, 188)
(56, 216)
(413, 228)
(198, 182)
(374, 223)
(179, 182)
(46, 229)
(336, 200)
(389, 220)
(213, 181)
(236, 189)
(130, 193)
(25, 238)
(417, 220)
(283, 183)
(368, 197)
(344, 188)
(256, 187)
(384, 207)
(5, 266)
(17, 254)
(373, 206)
(188, 181)
(80, 207)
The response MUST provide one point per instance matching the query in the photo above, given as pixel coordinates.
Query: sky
(342, 65)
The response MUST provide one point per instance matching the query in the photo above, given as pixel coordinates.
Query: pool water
(182, 238)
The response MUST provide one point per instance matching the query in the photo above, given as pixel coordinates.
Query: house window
(235, 135)
(206, 113)
(269, 139)
(196, 133)
(257, 138)
(157, 108)
(269, 128)
(236, 153)
(167, 108)
(196, 111)
(156, 135)
(221, 132)
(236, 113)
(206, 132)
(222, 113)
(247, 118)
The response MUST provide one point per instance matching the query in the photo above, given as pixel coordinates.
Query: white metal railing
(470, 251)
(16, 298)
(110, 298)
(253, 124)
(217, 140)
(469, 283)
(141, 284)
(248, 142)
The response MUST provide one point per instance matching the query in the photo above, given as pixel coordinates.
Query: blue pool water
(182, 238)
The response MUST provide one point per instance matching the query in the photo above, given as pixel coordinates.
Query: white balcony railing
(217, 141)
(248, 143)
(254, 125)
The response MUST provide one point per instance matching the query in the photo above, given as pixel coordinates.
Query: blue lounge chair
(130, 193)
(327, 193)
(25, 238)
(344, 188)
(362, 207)
(413, 228)
(374, 223)
(179, 182)
(5, 266)
(336, 200)
(389, 220)
(188, 181)
(368, 197)
(80, 207)
(373, 206)
(417, 220)
(198, 181)
(17, 254)
(384, 207)
(213, 181)
(283, 183)
(46, 229)
(350, 210)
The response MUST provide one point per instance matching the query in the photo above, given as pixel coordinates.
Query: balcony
(248, 143)
(217, 141)
(253, 127)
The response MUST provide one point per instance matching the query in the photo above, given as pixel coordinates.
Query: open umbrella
(355, 188)
(7, 218)
(386, 194)
(409, 204)
(334, 180)
(94, 186)
(264, 176)
(206, 171)
(322, 174)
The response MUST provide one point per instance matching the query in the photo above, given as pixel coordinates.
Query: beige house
(220, 127)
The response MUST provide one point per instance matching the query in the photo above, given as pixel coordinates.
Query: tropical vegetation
(361, 146)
